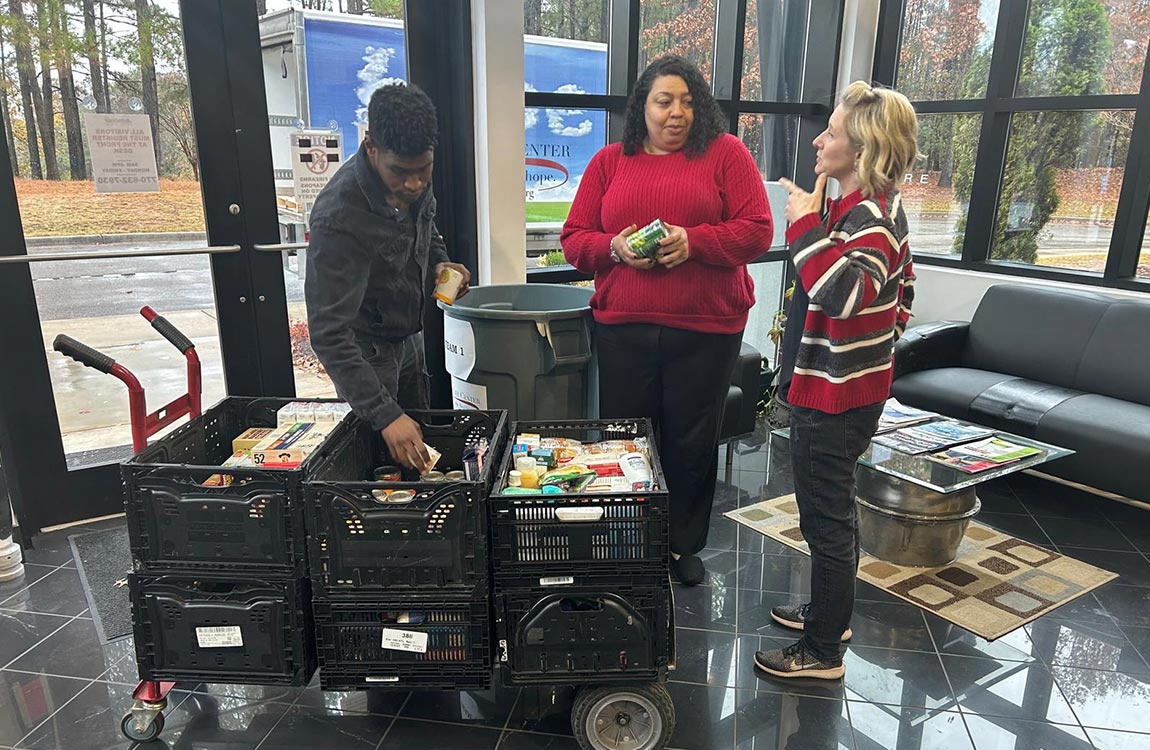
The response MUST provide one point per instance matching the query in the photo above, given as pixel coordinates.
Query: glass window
(1082, 47)
(946, 47)
(69, 171)
(936, 192)
(773, 51)
(377, 8)
(565, 46)
(559, 144)
(682, 27)
(764, 327)
(1143, 271)
(1060, 188)
(772, 140)
(317, 110)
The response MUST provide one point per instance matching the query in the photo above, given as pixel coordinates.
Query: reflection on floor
(1073, 680)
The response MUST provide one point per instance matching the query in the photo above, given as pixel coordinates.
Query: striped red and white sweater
(856, 269)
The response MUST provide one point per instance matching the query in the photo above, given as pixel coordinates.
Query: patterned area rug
(997, 584)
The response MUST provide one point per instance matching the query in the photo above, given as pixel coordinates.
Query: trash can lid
(522, 301)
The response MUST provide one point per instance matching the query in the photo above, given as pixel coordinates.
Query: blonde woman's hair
(882, 125)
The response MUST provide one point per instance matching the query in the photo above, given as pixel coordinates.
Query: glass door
(114, 197)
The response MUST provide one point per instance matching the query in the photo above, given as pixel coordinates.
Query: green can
(645, 242)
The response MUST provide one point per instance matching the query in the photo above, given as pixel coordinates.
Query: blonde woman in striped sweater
(854, 265)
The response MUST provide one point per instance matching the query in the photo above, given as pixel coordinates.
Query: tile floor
(1073, 680)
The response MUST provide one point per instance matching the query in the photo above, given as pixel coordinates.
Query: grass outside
(1094, 262)
(53, 209)
(547, 211)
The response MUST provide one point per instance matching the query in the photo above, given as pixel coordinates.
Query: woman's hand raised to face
(800, 203)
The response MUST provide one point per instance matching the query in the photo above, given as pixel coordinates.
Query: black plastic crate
(362, 545)
(362, 449)
(256, 523)
(420, 678)
(586, 634)
(529, 535)
(405, 642)
(225, 629)
(624, 578)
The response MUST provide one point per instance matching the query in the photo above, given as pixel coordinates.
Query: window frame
(819, 76)
(996, 109)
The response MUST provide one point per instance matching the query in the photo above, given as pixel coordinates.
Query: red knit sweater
(718, 197)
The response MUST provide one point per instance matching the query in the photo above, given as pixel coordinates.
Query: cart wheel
(637, 717)
(150, 732)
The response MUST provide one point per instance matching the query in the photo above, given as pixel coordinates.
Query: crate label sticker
(557, 581)
(404, 640)
(221, 637)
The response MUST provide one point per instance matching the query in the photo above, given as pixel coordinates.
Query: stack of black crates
(402, 589)
(582, 594)
(220, 589)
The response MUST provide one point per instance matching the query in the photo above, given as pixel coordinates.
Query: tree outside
(1063, 170)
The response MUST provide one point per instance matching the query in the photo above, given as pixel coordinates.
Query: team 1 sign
(123, 154)
(315, 156)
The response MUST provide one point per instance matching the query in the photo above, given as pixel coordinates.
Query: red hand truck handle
(190, 404)
(167, 330)
(97, 360)
(83, 353)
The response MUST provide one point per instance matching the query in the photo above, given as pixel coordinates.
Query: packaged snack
(433, 458)
(251, 437)
(291, 446)
(571, 479)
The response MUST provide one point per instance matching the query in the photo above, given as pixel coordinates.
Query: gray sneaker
(796, 661)
(794, 616)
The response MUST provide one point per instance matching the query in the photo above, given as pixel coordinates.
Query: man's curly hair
(708, 124)
(401, 119)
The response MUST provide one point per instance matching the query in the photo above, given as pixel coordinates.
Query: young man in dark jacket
(373, 257)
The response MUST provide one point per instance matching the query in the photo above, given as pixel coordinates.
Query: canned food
(455, 476)
(381, 496)
(645, 242)
(401, 496)
(433, 476)
(388, 474)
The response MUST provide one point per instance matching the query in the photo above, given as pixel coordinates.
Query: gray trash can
(525, 348)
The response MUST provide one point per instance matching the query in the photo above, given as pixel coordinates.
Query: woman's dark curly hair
(709, 122)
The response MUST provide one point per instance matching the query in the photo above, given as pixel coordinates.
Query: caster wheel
(638, 717)
(131, 731)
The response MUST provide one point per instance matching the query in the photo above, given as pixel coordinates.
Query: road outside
(97, 302)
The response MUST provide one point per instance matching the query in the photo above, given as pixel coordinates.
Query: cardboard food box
(289, 447)
(252, 437)
(239, 458)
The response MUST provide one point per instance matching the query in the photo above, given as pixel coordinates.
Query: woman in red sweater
(851, 303)
(668, 329)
